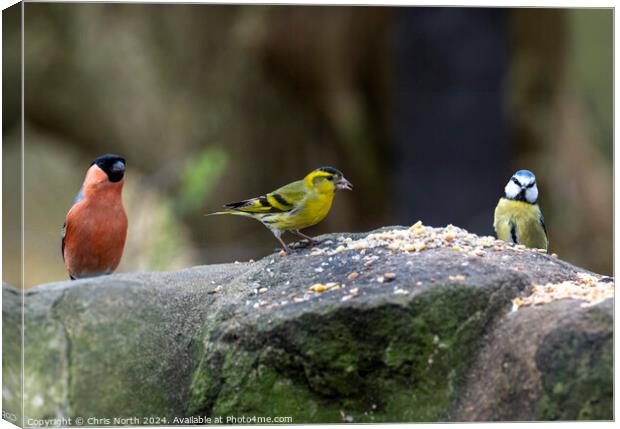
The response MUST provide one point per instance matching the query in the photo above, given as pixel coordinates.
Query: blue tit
(518, 218)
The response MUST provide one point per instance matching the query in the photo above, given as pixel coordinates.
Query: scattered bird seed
(216, 290)
(419, 237)
(586, 287)
(353, 275)
(318, 287)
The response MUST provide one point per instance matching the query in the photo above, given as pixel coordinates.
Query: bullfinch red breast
(93, 236)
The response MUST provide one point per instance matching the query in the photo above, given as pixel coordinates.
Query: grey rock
(250, 339)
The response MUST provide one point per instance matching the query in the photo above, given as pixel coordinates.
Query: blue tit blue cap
(525, 173)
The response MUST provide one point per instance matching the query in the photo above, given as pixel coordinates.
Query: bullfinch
(93, 236)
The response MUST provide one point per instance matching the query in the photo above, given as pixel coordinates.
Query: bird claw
(304, 244)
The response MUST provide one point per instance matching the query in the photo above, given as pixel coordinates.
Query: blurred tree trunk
(450, 153)
(334, 61)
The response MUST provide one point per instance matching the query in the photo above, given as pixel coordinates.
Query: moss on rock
(254, 339)
(373, 361)
(576, 367)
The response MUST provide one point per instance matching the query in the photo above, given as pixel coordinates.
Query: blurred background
(428, 111)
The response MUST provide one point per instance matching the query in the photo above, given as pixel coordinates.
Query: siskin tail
(230, 212)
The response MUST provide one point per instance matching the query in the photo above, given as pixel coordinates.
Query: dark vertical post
(450, 131)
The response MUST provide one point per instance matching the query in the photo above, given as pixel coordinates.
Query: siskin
(518, 218)
(295, 206)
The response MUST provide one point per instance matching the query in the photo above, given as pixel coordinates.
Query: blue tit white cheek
(531, 194)
(512, 190)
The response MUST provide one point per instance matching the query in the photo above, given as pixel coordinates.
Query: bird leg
(284, 246)
(311, 241)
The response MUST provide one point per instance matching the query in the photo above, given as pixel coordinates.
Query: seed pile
(419, 237)
(587, 288)
(369, 249)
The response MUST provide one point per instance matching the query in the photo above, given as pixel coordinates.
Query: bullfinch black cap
(112, 165)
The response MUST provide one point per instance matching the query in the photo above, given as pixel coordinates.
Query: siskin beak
(344, 184)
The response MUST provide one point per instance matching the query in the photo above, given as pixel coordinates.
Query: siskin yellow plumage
(295, 206)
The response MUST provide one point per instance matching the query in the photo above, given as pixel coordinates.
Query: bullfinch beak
(344, 184)
(118, 167)
(117, 171)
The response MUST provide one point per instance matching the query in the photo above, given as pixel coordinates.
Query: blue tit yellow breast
(521, 223)
(311, 210)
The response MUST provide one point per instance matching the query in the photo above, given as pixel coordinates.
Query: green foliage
(167, 243)
(198, 178)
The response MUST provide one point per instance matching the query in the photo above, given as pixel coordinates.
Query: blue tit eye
(330, 178)
(531, 185)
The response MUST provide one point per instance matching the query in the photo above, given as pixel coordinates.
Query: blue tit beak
(344, 184)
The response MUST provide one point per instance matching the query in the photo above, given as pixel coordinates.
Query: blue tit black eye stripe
(531, 185)
(516, 182)
(263, 201)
